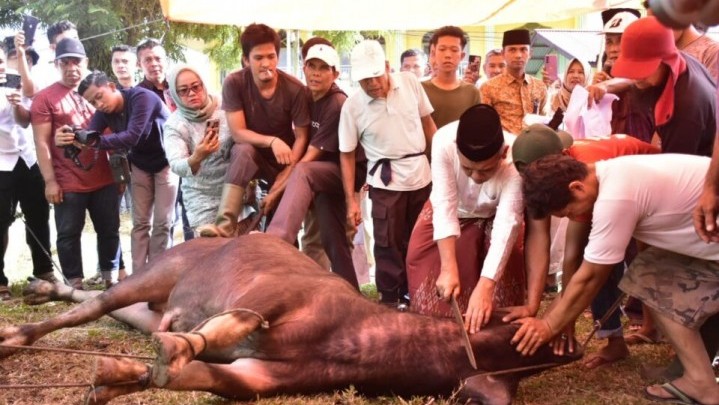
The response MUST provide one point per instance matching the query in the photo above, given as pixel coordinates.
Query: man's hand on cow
(282, 152)
(518, 312)
(705, 216)
(448, 281)
(532, 334)
(480, 306)
(564, 342)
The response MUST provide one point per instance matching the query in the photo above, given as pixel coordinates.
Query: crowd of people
(465, 189)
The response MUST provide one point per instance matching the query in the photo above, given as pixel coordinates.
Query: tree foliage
(104, 23)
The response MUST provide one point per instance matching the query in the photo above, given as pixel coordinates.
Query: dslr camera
(84, 137)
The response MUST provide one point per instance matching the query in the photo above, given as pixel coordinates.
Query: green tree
(104, 23)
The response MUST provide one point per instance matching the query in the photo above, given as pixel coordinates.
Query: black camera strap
(78, 162)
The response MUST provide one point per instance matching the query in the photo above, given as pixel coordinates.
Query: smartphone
(29, 25)
(213, 125)
(474, 62)
(550, 66)
(12, 81)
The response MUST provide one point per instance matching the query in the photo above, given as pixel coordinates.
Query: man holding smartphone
(21, 182)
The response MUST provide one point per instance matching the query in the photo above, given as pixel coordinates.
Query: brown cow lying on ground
(253, 317)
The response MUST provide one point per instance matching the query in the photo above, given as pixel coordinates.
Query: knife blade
(465, 335)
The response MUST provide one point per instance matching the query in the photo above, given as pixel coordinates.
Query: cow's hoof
(174, 351)
(40, 291)
(110, 371)
(15, 336)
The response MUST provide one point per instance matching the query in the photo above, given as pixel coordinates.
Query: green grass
(616, 384)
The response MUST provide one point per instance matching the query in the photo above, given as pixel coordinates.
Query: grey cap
(69, 48)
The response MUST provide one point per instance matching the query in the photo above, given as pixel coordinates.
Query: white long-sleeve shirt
(16, 142)
(455, 195)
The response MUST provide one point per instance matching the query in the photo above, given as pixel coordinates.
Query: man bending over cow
(677, 278)
(538, 141)
(476, 202)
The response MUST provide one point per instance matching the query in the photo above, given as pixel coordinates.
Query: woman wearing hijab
(576, 74)
(197, 142)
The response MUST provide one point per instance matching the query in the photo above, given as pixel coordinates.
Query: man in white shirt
(476, 193)
(21, 182)
(391, 118)
(677, 277)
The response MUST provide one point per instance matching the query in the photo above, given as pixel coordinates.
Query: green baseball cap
(537, 141)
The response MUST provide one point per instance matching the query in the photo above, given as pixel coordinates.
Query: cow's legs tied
(217, 334)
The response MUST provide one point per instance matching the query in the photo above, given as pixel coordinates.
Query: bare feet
(615, 350)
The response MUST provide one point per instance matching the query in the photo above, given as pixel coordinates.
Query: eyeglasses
(195, 88)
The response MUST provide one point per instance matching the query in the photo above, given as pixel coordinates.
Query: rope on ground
(73, 351)
(518, 369)
(58, 385)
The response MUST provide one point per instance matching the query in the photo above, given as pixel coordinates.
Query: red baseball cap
(644, 45)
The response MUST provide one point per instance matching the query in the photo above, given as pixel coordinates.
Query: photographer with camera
(71, 187)
(136, 117)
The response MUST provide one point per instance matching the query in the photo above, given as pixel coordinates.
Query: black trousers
(24, 185)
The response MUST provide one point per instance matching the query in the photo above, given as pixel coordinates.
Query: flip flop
(637, 338)
(679, 397)
(5, 293)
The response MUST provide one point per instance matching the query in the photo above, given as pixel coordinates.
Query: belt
(386, 173)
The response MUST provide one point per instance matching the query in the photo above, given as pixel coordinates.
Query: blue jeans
(103, 206)
(606, 297)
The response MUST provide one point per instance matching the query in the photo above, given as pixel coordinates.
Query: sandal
(5, 293)
(637, 338)
(678, 396)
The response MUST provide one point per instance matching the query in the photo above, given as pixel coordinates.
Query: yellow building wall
(481, 38)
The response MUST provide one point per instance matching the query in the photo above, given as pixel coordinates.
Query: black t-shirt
(325, 121)
(692, 128)
(272, 116)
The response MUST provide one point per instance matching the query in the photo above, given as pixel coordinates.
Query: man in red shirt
(77, 185)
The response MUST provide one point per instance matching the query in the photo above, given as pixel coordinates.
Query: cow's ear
(489, 390)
